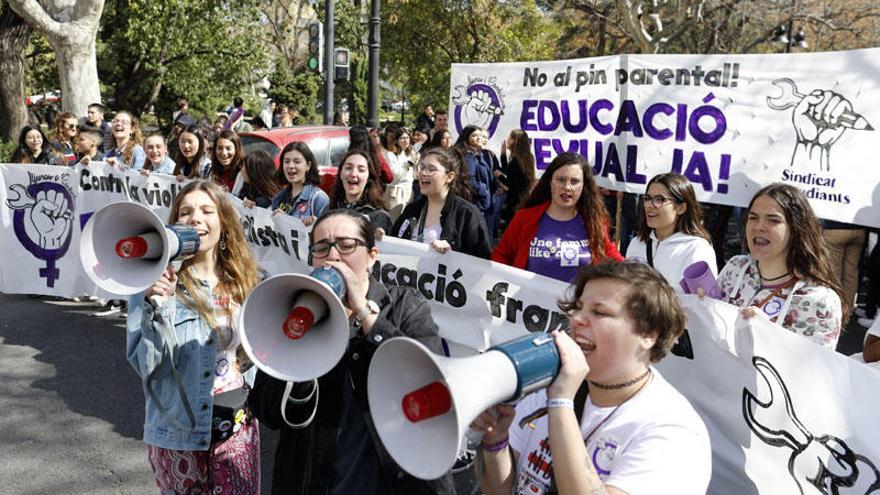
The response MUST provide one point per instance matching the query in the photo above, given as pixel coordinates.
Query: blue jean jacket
(311, 202)
(193, 349)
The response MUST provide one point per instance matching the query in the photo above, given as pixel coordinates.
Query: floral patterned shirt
(807, 309)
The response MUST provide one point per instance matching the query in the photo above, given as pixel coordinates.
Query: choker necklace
(766, 279)
(774, 278)
(618, 386)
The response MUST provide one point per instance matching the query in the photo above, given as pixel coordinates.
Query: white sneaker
(866, 322)
(110, 310)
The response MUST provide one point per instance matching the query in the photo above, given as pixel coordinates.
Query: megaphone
(294, 327)
(125, 247)
(422, 403)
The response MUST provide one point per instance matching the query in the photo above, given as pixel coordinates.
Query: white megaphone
(125, 247)
(422, 403)
(294, 327)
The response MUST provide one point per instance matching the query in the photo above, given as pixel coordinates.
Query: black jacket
(517, 184)
(304, 459)
(464, 227)
(379, 218)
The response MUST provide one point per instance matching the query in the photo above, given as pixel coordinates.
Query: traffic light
(341, 64)
(316, 46)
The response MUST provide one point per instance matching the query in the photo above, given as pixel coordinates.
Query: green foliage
(41, 71)
(299, 89)
(422, 38)
(6, 150)
(205, 50)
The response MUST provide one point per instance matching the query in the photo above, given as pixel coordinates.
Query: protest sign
(730, 123)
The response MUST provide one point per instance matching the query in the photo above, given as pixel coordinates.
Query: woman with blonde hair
(127, 139)
(183, 342)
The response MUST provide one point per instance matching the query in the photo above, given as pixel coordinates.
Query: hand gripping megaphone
(125, 247)
(294, 327)
(422, 403)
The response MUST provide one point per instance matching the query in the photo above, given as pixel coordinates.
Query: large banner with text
(730, 123)
(784, 415)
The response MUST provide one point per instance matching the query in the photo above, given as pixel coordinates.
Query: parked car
(327, 143)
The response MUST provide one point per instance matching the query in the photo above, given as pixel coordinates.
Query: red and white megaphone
(294, 327)
(125, 247)
(422, 403)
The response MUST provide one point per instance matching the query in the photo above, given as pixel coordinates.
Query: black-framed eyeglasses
(343, 245)
(656, 201)
(72, 127)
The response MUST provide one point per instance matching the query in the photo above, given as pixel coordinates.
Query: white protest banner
(781, 411)
(730, 123)
(784, 415)
(44, 208)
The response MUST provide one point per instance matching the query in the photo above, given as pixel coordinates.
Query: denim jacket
(194, 352)
(311, 202)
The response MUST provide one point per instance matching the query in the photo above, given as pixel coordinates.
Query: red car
(328, 144)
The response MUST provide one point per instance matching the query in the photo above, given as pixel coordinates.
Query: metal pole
(329, 62)
(790, 35)
(373, 85)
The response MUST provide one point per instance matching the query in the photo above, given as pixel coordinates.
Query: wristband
(496, 447)
(560, 403)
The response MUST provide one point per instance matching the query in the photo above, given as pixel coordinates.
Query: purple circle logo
(41, 221)
(480, 105)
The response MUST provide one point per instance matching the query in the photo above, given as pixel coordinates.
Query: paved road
(71, 407)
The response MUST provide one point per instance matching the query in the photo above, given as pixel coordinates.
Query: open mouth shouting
(587, 346)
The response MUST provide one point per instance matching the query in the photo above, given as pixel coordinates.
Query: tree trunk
(78, 72)
(14, 36)
(70, 28)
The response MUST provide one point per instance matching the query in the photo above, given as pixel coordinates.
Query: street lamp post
(373, 85)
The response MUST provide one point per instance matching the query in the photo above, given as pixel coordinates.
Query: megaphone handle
(475, 437)
(285, 398)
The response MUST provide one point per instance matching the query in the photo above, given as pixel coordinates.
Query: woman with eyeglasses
(669, 233)
(63, 136)
(337, 449)
(442, 217)
(127, 139)
(359, 188)
(787, 273)
(561, 226)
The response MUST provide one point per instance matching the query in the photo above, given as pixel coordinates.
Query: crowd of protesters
(458, 195)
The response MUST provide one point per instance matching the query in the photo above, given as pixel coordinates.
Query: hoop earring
(223, 243)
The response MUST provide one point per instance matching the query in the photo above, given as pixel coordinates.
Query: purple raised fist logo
(42, 222)
(479, 104)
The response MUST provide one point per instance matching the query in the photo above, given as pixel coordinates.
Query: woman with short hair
(609, 422)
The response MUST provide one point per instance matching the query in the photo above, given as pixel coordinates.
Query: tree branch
(36, 15)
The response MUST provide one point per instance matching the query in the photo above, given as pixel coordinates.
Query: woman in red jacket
(561, 226)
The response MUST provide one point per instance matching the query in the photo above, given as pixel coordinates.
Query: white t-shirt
(655, 444)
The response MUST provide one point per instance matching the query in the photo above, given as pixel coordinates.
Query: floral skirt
(230, 467)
